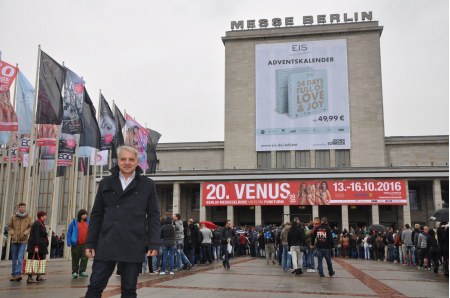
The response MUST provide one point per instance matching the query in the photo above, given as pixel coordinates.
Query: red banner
(305, 192)
(7, 75)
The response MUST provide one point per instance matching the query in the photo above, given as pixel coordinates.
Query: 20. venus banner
(305, 192)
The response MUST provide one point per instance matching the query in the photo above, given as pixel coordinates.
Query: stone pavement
(248, 277)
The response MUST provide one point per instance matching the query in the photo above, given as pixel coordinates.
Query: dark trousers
(206, 253)
(102, 271)
(79, 259)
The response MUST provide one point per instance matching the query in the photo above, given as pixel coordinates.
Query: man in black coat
(125, 219)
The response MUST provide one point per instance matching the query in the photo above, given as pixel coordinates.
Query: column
(375, 215)
(258, 215)
(202, 215)
(293, 164)
(273, 159)
(230, 214)
(406, 208)
(176, 198)
(315, 211)
(437, 194)
(287, 212)
(332, 158)
(344, 215)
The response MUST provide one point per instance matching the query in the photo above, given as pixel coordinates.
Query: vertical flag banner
(136, 136)
(152, 142)
(8, 117)
(24, 103)
(24, 108)
(106, 125)
(50, 101)
(101, 157)
(7, 75)
(47, 135)
(120, 122)
(72, 103)
(90, 136)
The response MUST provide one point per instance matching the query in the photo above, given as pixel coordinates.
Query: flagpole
(32, 135)
(7, 197)
(16, 168)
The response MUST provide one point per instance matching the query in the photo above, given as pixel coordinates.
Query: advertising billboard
(302, 100)
(304, 192)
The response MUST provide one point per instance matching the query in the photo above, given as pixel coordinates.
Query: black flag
(90, 135)
(119, 120)
(153, 139)
(50, 100)
(107, 125)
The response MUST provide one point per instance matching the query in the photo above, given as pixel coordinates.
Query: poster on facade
(304, 192)
(302, 99)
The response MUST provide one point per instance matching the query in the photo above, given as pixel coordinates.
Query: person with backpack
(398, 255)
(379, 246)
(269, 244)
(322, 241)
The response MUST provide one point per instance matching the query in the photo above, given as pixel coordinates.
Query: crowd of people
(124, 230)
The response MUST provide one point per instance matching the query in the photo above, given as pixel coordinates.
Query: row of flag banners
(65, 114)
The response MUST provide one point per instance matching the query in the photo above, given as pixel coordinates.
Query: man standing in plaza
(19, 228)
(125, 219)
(322, 240)
(226, 235)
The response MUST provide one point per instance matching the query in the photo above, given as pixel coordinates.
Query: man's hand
(36, 249)
(90, 252)
(152, 253)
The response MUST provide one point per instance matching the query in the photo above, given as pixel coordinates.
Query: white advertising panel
(302, 100)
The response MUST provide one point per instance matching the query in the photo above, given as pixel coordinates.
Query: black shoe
(228, 266)
(224, 264)
(332, 273)
(321, 275)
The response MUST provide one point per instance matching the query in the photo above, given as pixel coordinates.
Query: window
(195, 201)
(167, 193)
(283, 159)
(414, 199)
(264, 160)
(302, 159)
(322, 158)
(342, 158)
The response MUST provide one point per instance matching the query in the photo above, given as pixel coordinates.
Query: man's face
(228, 224)
(22, 209)
(127, 162)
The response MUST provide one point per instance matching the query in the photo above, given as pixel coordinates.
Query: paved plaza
(248, 277)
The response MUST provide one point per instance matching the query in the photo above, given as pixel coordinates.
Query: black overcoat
(124, 222)
(38, 237)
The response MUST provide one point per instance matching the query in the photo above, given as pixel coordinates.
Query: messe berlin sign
(305, 20)
(305, 192)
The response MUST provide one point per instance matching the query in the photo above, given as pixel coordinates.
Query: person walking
(19, 229)
(226, 234)
(38, 243)
(168, 246)
(296, 242)
(124, 219)
(76, 240)
(321, 240)
(182, 260)
(269, 244)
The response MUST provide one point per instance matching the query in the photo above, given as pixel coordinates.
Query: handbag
(229, 248)
(34, 266)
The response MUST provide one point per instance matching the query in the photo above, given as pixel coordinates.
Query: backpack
(379, 241)
(268, 236)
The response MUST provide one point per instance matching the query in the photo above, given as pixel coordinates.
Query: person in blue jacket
(76, 240)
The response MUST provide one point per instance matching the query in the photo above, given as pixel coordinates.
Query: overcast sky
(163, 61)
